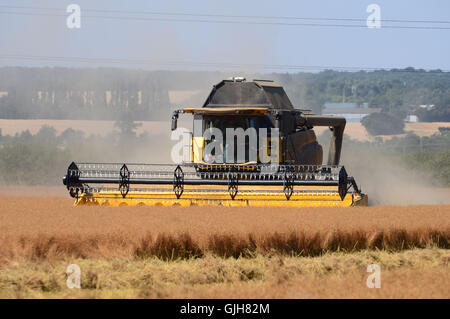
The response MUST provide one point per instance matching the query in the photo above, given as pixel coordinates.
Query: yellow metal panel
(191, 153)
(260, 196)
(197, 148)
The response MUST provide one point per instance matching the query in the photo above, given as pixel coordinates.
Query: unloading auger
(297, 178)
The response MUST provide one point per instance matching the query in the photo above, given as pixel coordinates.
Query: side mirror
(174, 120)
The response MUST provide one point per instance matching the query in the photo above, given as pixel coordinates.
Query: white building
(351, 111)
(412, 119)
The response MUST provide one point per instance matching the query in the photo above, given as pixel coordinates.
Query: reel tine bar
(178, 181)
(124, 185)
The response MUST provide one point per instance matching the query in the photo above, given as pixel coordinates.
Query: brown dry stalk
(175, 246)
(46, 228)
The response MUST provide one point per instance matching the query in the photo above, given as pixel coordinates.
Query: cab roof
(237, 92)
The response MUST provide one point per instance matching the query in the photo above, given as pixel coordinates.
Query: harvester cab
(248, 147)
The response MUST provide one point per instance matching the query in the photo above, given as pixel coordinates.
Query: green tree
(383, 124)
(126, 125)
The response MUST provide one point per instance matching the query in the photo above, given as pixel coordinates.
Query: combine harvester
(284, 169)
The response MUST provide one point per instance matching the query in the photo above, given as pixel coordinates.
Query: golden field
(353, 130)
(158, 252)
(358, 132)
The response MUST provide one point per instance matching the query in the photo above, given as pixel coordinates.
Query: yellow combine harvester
(248, 147)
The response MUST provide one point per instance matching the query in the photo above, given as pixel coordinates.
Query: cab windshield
(234, 122)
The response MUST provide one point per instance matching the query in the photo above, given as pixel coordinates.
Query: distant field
(11, 127)
(354, 130)
(358, 132)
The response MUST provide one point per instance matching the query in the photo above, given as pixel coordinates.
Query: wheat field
(43, 227)
(219, 252)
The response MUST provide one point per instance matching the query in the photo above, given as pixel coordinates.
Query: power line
(228, 16)
(146, 62)
(234, 22)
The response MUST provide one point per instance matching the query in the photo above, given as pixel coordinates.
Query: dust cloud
(388, 182)
(384, 178)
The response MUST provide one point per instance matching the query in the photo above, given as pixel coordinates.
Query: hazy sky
(33, 32)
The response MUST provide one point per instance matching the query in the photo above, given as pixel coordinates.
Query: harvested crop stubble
(415, 273)
(48, 228)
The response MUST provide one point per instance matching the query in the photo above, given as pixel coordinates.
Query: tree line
(58, 93)
(106, 93)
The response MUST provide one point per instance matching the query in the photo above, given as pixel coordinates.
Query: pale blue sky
(161, 41)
